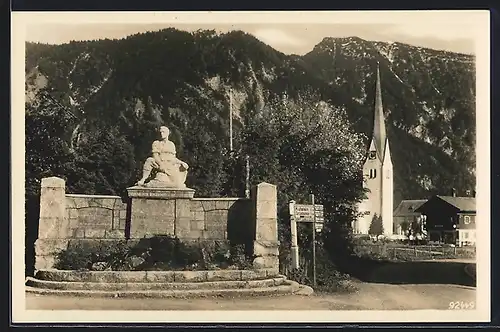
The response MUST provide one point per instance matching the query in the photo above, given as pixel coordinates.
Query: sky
(437, 32)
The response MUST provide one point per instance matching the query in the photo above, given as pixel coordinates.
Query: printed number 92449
(460, 305)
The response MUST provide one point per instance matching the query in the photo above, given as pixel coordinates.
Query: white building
(377, 174)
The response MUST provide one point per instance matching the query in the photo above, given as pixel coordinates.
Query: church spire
(379, 134)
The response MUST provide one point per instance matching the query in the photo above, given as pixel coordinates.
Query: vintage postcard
(235, 167)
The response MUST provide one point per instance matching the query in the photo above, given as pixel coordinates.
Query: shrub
(300, 275)
(328, 277)
(239, 258)
(161, 249)
(73, 258)
(156, 253)
(187, 256)
(82, 256)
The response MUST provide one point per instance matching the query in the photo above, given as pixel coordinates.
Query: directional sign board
(306, 213)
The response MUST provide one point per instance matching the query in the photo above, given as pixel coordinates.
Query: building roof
(407, 207)
(379, 134)
(462, 203)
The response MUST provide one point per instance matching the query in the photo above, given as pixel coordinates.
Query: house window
(373, 154)
(466, 235)
(466, 220)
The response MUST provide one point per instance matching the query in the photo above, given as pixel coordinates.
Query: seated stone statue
(168, 171)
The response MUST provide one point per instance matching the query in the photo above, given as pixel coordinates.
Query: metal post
(247, 177)
(230, 120)
(293, 229)
(314, 240)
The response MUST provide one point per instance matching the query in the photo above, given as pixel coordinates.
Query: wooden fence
(415, 252)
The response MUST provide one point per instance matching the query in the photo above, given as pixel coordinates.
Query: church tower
(377, 174)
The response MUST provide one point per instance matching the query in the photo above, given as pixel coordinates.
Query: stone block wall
(218, 218)
(96, 217)
(69, 218)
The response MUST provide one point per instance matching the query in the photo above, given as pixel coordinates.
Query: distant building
(377, 174)
(450, 219)
(405, 215)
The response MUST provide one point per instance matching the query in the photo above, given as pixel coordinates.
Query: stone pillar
(266, 245)
(52, 228)
(160, 211)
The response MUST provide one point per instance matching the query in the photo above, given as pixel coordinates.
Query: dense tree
(376, 226)
(308, 146)
(103, 163)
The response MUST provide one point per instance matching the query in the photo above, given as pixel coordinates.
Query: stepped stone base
(160, 284)
(290, 288)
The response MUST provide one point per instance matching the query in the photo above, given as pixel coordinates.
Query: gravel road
(399, 286)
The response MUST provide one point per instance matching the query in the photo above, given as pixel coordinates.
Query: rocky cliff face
(184, 79)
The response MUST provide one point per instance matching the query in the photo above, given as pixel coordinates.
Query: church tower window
(373, 173)
(373, 154)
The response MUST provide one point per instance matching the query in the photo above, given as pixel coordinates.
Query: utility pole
(231, 120)
(314, 239)
(247, 176)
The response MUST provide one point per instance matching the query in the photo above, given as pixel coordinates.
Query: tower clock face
(373, 154)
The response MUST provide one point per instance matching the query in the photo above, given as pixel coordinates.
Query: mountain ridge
(428, 95)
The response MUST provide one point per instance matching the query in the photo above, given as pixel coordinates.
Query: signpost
(304, 213)
(312, 213)
(314, 240)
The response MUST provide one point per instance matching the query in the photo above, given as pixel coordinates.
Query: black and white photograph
(251, 166)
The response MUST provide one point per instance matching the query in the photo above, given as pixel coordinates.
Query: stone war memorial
(159, 204)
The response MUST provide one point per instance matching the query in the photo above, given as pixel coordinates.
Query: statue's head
(164, 132)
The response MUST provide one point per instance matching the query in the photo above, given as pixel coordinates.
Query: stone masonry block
(266, 200)
(152, 216)
(74, 223)
(81, 202)
(208, 205)
(79, 233)
(114, 234)
(116, 219)
(190, 276)
(221, 205)
(121, 224)
(196, 206)
(96, 217)
(53, 182)
(44, 262)
(265, 262)
(72, 212)
(70, 203)
(199, 215)
(223, 275)
(197, 225)
(108, 203)
(215, 234)
(47, 247)
(95, 233)
(267, 230)
(163, 276)
(182, 227)
(265, 248)
(195, 234)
